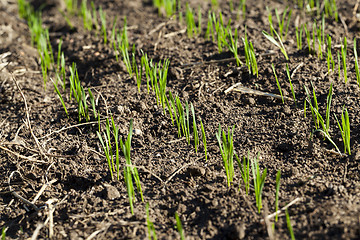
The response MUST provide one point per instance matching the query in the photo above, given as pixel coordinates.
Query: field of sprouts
(173, 119)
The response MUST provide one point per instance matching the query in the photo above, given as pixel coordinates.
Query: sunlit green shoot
(250, 57)
(259, 181)
(244, 166)
(343, 56)
(288, 223)
(113, 32)
(283, 29)
(150, 225)
(277, 83)
(130, 172)
(291, 86)
(85, 13)
(226, 145)
(298, 34)
(242, 8)
(60, 97)
(190, 22)
(179, 226)
(279, 44)
(103, 24)
(203, 138)
(345, 129)
(321, 125)
(233, 45)
(277, 189)
(329, 57)
(94, 16)
(210, 28)
(195, 131)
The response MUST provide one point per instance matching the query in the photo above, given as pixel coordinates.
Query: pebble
(111, 192)
(196, 171)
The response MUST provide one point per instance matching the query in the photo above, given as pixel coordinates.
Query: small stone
(111, 192)
(249, 100)
(138, 132)
(196, 171)
(120, 109)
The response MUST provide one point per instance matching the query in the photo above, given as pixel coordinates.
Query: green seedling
(298, 34)
(221, 31)
(203, 138)
(331, 9)
(250, 57)
(63, 70)
(245, 171)
(179, 226)
(214, 4)
(167, 6)
(45, 53)
(343, 57)
(321, 125)
(58, 59)
(339, 64)
(259, 181)
(25, 9)
(67, 19)
(277, 189)
(195, 131)
(308, 39)
(314, 37)
(288, 223)
(3, 233)
(233, 45)
(135, 69)
(85, 13)
(317, 118)
(242, 8)
(231, 5)
(71, 6)
(277, 83)
(150, 225)
(190, 22)
(103, 24)
(113, 32)
(283, 29)
(78, 92)
(106, 144)
(329, 57)
(145, 64)
(356, 63)
(291, 86)
(130, 172)
(345, 130)
(174, 108)
(94, 15)
(60, 96)
(210, 28)
(226, 145)
(279, 44)
(158, 78)
(125, 54)
(183, 116)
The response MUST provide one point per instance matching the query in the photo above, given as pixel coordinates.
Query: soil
(88, 204)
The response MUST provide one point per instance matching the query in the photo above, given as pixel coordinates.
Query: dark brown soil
(88, 204)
